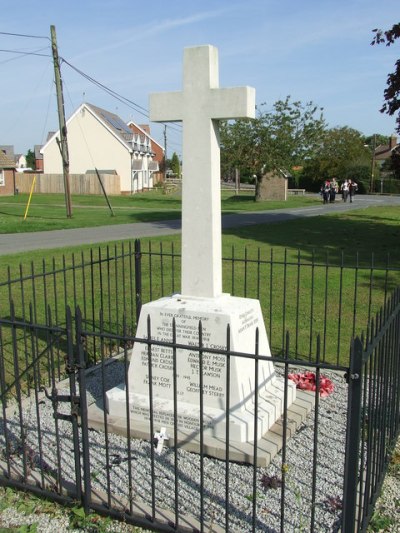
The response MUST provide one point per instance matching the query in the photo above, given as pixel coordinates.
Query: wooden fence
(79, 183)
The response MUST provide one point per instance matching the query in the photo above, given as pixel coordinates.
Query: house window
(2, 178)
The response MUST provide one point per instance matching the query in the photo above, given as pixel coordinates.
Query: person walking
(352, 189)
(345, 190)
(333, 190)
(325, 191)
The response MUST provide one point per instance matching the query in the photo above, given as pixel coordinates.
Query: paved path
(41, 240)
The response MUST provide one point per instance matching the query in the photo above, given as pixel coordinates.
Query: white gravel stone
(298, 462)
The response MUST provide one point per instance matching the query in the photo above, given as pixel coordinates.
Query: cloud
(152, 30)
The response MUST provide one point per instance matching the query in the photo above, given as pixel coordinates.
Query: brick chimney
(392, 142)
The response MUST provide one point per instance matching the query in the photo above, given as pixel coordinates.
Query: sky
(310, 50)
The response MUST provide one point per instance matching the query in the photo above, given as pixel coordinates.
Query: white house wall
(90, 146)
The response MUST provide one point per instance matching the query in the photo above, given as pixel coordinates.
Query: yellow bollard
(30, 196)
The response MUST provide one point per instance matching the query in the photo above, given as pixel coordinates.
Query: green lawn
(47, 211)
(363, 236)
(366, 240)
(322, 273)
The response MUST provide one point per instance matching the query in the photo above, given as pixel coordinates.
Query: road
(42, 240)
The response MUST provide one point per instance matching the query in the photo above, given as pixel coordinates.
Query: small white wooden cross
(199, 106)
(161, 436)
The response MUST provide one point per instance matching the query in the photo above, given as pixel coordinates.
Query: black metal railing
(374, 412)
(58, 364)
(306, 294)
(338, 487)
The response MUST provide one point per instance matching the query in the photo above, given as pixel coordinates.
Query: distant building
(38, 158)
(274, 186)
(8, 150)
(140, 132)
(385, 151)
(20, 161)
(100, 139)
(7, 175)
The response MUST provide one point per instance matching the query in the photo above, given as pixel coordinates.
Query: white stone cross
(199, 106)
(160, 437)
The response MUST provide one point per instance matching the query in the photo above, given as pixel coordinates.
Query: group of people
(331, 188)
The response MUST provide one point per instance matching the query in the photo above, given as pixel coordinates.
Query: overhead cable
(138, 108)
(24, 53)
(24, 35)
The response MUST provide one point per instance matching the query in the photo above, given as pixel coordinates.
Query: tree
(395, 164)
(30, 160)
(175, 164)
(392, 92)
(276, 139)
(376, 140)
(342, 150)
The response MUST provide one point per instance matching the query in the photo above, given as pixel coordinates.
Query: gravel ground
(387, 508)
(297, 465)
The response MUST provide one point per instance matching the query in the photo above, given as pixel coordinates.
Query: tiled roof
(384, 151)
(8, 149)
(6, 162)
(114, 122)
(36, 149)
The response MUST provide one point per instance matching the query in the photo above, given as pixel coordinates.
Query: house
(99, 139)
(8, 149)
(385, 151)
(20, 161)
(143, 130)
(38, 158)
(7, 175)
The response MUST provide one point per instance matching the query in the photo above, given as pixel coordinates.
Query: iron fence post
(138, 279)
(351, 468)
(70, 363)
(83, 413)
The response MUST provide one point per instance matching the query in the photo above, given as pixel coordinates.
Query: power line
(24, 53)
(133, 105)
(111, 92)
(136, 107)
(24, 35)
(47, 112)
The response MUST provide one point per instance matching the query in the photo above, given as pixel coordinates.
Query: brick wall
(8, 188)
(273, 187)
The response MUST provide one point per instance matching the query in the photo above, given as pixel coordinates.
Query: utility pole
(165, 152)
(62, 143)
(371, 186)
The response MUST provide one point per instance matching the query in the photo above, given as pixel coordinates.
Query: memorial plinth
(197, 379)
(243, 316)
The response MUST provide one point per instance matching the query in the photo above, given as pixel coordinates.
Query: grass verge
(322, 276)
(47, 211)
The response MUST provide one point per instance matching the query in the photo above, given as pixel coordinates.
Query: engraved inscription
(248, 320)
(187, 361)
(186, 420)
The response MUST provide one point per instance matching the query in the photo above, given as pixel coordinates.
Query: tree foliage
(341, 150)
(175, 164)
(395, 164)
(30, 160)
(277, 139)
(392, 92)
(376, 140)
